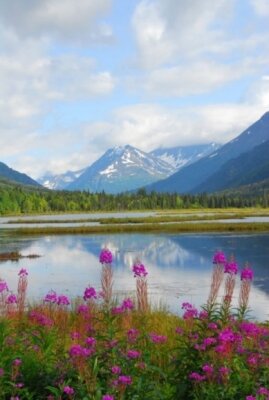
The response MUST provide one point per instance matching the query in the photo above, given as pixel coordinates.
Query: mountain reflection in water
(179, 265)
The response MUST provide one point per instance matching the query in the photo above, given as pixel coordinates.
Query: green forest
(19, 200)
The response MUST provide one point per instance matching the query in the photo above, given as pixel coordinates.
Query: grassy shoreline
(165, 228)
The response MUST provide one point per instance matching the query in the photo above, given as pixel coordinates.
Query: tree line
(18, 200)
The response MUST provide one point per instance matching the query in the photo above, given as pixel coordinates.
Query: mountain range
(127, 168)
(207, 174)
(242, 162)
(8, 174)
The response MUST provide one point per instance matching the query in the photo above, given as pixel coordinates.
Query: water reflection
(179, 265)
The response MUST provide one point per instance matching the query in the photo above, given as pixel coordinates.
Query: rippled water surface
(179, 264)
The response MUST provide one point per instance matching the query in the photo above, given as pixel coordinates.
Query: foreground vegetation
(21, 200)
(100, 349)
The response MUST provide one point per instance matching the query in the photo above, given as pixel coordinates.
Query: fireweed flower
(250, 398)
(63, 300)
(125, 380)
(82, 309)
(132, 335)
(263, 391)
(90, 293)
(208, 369)
(51, 297)
(116, 369)
(157, 339)
(68, 390)
(90, 341)
(23, 272)
(212, 325)
(247, 274)
(127, 304)
(231, 268)
(3, 286)
(107, 397)
(133, 354)
(139, 270)
(105, 256)
(219, 258)
(195, 376)
(75, 335)
(190, 311)
(17, 362)
(11, 299)
(78, 351)
(1, 372)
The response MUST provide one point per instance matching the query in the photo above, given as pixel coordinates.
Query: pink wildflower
(68, 390)
(105, 256)
(139, 270)
(133, 354)
(90, 293)
(63, 300)
(219, 258)
(247, 274)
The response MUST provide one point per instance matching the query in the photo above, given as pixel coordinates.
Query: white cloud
(196, 78)
(261, 7)
(68, 20)
(165, 29)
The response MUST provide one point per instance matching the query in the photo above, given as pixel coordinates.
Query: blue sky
(79, 77)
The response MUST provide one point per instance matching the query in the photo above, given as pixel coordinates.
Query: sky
(79, 77)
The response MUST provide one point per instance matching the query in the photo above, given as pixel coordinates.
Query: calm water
(179, 264)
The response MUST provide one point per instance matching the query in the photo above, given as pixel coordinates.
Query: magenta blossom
(133, 354)
(17, 362)
(3, 286)
(127, 304)
(63, 300)
(78, 351)
(125, 380)
(23, 272)
(116, 369)
(90, 341)
(219, 258)
(157, 339)
(247, 274)
(51, 297)
(208, 369)
(196, 376)
(231, 268)
(90, 293)
(139, 270)
(107, 397)
(68, 390)
(105, 256)
(11, 299)
(250, 398)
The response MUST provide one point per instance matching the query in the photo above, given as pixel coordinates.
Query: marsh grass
(147, 228)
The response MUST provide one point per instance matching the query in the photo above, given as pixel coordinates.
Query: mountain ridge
(191, 176)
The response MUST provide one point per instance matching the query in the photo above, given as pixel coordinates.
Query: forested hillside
(17, 200)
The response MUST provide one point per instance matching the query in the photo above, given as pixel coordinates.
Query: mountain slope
(250, 167)
(181, 156)
(61, 181)
(192, 176)
(121, 169)
(13, 175)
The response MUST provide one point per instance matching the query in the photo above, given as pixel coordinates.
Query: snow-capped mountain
(200, 176)
(60, 181)
(121, 169)
(181, 156)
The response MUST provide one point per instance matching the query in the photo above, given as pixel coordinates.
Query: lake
(179, 265)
